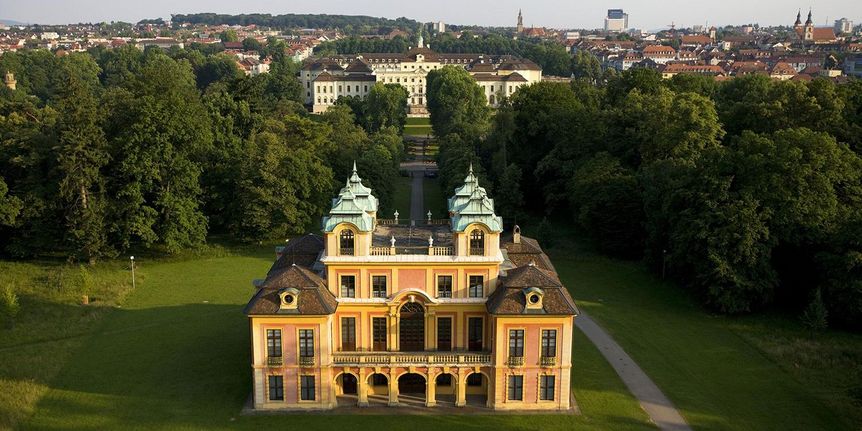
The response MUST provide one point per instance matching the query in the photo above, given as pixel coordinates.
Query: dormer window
(477, 243)
(345, 243)
(533, 296)
(289, 299)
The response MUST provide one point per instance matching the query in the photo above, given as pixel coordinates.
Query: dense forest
(349, 24)
(747, 192)
(112, 150)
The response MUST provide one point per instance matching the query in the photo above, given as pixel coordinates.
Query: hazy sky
(541, 13)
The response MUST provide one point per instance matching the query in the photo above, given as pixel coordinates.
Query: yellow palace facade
(437, 313)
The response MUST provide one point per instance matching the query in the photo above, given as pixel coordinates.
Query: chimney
(516, 234)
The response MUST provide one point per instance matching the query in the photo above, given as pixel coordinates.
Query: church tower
(520, 28)
(798, 24)
(809, 28)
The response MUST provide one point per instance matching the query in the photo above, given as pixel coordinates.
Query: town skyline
(539, 14)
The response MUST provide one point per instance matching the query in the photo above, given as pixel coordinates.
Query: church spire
(798, 18)
(520, 27)
(809, 21)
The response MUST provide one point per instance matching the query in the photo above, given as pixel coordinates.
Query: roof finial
(471, 168)
(354, 166)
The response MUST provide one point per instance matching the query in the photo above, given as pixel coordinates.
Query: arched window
(477, 243)
(346, 242)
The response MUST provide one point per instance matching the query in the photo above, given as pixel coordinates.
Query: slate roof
(533, 269)
(302, 251)
(313, 298)
(525, 252)
(510, 298)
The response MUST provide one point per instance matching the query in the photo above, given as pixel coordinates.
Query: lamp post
(132, 259)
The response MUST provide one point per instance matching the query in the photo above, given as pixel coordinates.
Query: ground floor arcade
(413, 386)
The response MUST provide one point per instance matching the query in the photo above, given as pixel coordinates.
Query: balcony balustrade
(549, 361)
(275, 361)
(306, 361)
(412, 358)
(516, 361)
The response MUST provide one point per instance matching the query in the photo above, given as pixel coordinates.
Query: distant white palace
(324, 80)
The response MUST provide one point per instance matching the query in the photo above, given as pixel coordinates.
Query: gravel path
(660, 410)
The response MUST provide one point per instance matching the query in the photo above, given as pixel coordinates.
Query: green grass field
(759, 372)
(175, 356)
(400, 200)
(435, 200)
(417, 126)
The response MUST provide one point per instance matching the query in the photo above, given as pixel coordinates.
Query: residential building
(440, 27)
(161, 42)
(660, 54)
(843, 26)
(853, 65)
(616, 21)
(673, 69)
(324, 80)
(440, 312)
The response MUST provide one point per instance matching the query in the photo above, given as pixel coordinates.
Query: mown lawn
(417, 126)
(400, 200)
(418, 131)
(175, 355)
(435, 199)
(754, 373)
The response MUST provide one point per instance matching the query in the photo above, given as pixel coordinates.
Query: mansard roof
(510, 297)
(302, 251)
(358, 66)
(471, 204)
(313, 298)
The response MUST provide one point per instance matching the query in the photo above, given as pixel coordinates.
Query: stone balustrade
(411, 358)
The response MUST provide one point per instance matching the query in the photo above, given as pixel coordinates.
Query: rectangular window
(477, 283)
(378, 327)
(348, 286)
(378, 286)
(276, 388)
(516, 342)
(444, 334)
(273, 342)
(546, 388)
(549, 343)
(516, 388)
(444, 286)
(306, 343)
(306, 388)
(474, 334)
(348, 334)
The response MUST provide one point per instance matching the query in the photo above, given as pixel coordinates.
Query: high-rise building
(440, 27)
(843, 25)
(616, 21)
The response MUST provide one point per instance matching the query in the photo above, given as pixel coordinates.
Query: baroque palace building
(442, 312)
(324, 80)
